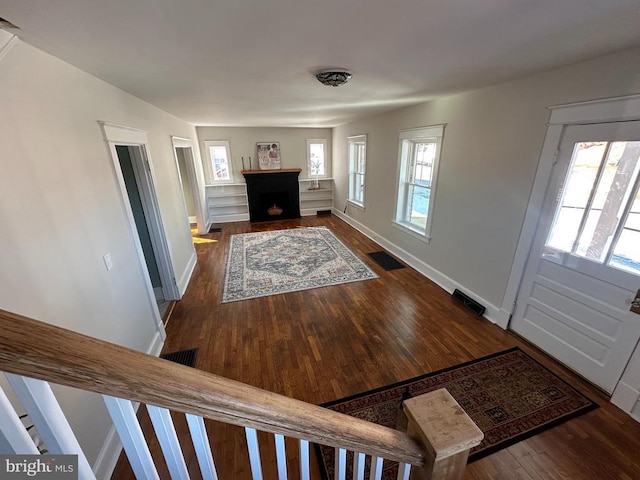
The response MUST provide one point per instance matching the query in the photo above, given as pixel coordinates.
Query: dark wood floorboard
(323, 344)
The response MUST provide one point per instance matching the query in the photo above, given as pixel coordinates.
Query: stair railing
(440, 435)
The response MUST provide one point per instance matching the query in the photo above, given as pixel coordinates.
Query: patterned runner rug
(508, 395)
(268, 263)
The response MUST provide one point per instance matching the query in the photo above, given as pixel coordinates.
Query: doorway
(126, 155)
(192, 183)
(186, 183)
(583, 269)
(134, 173)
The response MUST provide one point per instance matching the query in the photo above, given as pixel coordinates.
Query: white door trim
(597, 111)
(127, 136)
(197, 181)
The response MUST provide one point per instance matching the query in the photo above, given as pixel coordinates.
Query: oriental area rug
(508, 395)
(281, 261)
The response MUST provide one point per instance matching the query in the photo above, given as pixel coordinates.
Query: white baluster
(43, 408)
(376, 468)
(254, 453)
(404, 469)
(281, 457)
(124, 419)
(304, 460)
(169, 443)
(202, 447)
(14, 438)
(341, 464)
(358, 466)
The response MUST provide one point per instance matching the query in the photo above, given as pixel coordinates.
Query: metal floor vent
(215, 230)
(468, 302)
(385, 260)
(183, 357)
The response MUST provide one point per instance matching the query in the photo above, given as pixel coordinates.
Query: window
(418, 171)
(598, 214)
(220, 161)
(317, 157)
(357, 166)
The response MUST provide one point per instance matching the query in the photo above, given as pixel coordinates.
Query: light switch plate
(107, 261)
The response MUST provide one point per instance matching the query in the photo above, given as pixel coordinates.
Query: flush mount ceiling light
(6, 24)
(333, 78)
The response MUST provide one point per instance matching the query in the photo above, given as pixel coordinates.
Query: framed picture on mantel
(269, 155)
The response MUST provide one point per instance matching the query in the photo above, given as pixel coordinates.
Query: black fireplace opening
(275, 204)
(273, 195)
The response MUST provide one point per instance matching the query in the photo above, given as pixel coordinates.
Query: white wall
(491, 147)
(242, 141)
(60, 210)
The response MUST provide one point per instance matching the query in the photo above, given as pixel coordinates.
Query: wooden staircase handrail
(40, 350)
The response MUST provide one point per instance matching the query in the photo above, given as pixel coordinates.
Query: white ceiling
(250, 62)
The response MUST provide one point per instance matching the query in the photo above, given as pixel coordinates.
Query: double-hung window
(417, 175)
(357, 168)
(317, 158)
(220, 168)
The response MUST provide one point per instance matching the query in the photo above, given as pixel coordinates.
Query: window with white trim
(357, 168)
(220, 168)
(317, 157)
(417, 175)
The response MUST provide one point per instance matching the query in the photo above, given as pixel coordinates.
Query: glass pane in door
(626, 254)
(583, 173)
(598, 214)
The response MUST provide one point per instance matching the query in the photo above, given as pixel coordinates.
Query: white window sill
(358, 205)
(414, 233)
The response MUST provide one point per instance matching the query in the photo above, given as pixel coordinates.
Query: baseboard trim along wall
(207, 226)
(493, 313)
(185, 278)
(627, 398)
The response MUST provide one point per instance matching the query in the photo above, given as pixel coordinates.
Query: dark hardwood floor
(323, 344)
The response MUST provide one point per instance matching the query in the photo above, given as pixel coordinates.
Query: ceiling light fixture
(333, 78)
(6, 24)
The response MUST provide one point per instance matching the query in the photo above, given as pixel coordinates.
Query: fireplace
(273, 194)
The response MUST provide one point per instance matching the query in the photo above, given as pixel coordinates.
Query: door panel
(584, 317)
(584, 266)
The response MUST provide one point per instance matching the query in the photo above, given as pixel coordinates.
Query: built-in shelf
(313, 200)
(227, 202)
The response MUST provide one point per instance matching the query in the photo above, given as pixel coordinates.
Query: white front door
(583, 271)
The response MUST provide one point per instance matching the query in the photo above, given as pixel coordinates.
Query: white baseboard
(112, 447)
(236, 217)
(207, 227)
(493, 313)
(625, 397)
(502, 318)
(186, 275)
(155, 347)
